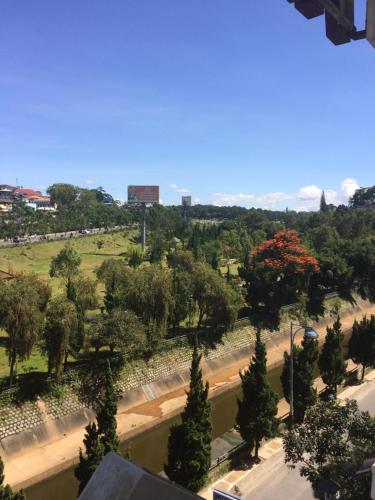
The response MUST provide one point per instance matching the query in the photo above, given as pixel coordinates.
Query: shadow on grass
(208, 338)
(88, 368)
(27, 387)
(99, 254)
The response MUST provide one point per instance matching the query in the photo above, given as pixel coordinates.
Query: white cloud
(178, 189)
(349, 186)
(89, 182)
(265, 200)
(309, 193)
(306, 199)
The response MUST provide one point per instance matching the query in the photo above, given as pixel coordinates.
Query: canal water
(149, 449)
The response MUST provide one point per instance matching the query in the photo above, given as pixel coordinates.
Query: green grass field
(36, 258)
(36, 362)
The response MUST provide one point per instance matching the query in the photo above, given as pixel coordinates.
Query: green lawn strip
(36, 258)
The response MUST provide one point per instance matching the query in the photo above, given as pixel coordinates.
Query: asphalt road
(36, 238)
(273, 480)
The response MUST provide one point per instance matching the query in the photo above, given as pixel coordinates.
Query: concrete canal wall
(46, 420)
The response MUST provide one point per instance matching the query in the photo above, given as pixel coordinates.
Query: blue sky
(236, 102)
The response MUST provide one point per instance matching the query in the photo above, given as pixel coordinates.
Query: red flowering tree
(278, 272)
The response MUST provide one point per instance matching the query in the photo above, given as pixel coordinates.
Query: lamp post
(311, 334)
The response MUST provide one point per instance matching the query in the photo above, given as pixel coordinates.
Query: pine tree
(331, 361)
(189, 443)
(256, 417)
(323, 203)
(109, 299)
(362, 343)
(76, 342)
(94, 452)
(6, 492)
(100, 438)
(304, 360)
(106, 414)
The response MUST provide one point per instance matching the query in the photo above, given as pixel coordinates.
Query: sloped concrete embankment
(49, 420)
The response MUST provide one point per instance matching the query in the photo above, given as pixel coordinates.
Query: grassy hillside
(37, 257)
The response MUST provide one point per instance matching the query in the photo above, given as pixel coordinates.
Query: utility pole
(143, 226)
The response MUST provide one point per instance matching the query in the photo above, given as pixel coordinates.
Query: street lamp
(310, 334)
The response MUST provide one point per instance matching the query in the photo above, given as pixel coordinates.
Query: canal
(149, 449)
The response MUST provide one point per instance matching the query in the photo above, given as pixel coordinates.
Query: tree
(363, 197)
(88, 462)
(60, 329)
(360, 255)
(183, 306)
(304, 360)
(6, 492)
(120, 330)
(332, 443)
(100, 438)
(181, 260)
(65, 265)
(21, 317)
(278, 272)
(106, 414)
(189, 443)
(86, 294)
(362, 343)
(63, 194)
(110, 268)
(157, 247)
(135, 258)
(217, 300)
(116, 276)
(323, 203)
(331, 361)
(147, 291)
(256, 417)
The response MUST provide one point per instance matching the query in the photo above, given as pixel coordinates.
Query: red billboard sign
(143, 194)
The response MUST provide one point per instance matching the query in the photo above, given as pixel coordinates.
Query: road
(274, 480)
(37, 238)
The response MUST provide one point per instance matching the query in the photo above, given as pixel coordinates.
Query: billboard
(186, 201)
(143, 194)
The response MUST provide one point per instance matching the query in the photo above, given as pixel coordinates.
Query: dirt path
(43, 461)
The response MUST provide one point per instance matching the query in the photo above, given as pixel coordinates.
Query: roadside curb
(268, 449)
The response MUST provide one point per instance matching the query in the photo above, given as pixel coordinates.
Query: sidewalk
(268, 449)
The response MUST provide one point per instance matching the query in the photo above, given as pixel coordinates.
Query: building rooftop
(120, 479)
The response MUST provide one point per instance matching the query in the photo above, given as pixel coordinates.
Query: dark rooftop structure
(120, 479)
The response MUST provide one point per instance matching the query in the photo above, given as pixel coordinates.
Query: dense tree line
(76, 208)
(164, 297)
(142, 305)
